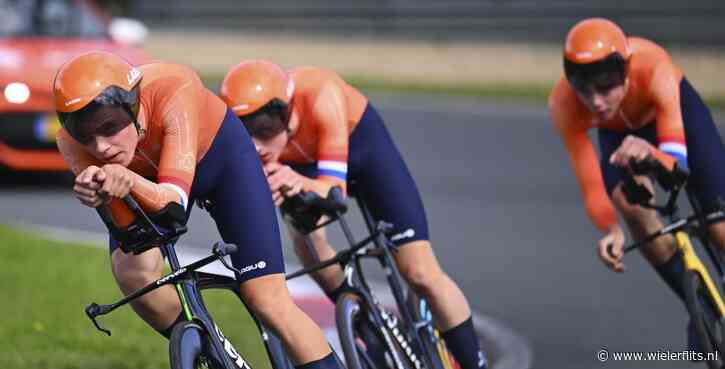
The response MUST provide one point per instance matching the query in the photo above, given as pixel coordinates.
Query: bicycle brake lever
(94, 310)
(230, 267)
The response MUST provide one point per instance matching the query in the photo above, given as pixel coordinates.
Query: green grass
(45, 285)
(512, 92)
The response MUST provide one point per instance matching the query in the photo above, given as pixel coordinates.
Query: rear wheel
(187, 348)
(708, 330)
(363, 342)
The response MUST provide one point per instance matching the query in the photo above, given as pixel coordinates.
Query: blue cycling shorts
(230, 176)
(706, 154)
(378, 176)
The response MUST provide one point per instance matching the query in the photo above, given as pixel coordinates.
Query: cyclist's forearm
(154, 196)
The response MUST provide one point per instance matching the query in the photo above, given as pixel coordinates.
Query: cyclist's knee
(135, 271)
(717, 233)
(426, 283)
(318, 236)
(268, 298)
(633, 214)
(420, 269)
(318, 241)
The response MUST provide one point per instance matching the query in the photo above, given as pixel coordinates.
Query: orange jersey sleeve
(333, 139)
(176, 103)
(174, 114)
(328, 110)
(572, 128)
(665, 93)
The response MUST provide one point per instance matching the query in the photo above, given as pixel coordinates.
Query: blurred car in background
(36, 38)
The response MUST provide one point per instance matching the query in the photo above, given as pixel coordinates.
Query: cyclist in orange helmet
(641, 105)
(314, 131)
(155, 132)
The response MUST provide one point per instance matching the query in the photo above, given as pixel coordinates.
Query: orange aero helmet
(593, 40)
(595, 56)
(252, 84)
(84, 77)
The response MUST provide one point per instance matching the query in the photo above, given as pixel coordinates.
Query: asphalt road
(506, 223)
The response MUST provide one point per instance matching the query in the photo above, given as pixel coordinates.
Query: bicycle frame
(185, 282)
(272, 344)
(377, 246)
(188, 283)
(693, 262)
(194, 309)
(677, 227)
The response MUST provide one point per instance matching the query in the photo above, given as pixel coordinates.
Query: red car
(36, 38)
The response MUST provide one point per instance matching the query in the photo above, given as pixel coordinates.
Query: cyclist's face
(603, 100)
(270, 149)
(115, 138)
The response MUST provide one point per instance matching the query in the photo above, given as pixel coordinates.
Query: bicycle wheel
(709, 332)
(438, 354)
(363, 342)
(187, 348)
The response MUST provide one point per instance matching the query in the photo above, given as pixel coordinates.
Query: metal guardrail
(668, 21)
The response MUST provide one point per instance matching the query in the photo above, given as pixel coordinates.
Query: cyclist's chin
(605, 115)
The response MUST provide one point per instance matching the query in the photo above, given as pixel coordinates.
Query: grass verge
(46, 284)
(524, 93)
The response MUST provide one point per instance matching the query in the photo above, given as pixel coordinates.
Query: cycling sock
(330, 361)
(463, 344)
(671, 272)
(167, 332)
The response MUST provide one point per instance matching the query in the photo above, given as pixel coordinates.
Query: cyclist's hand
(283, 181)
(632, 147)
(611, 249)
(117, 181)
(86, 187)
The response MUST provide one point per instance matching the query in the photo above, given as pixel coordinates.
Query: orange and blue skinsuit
(660, 106)
(192, 147)
(340, 140)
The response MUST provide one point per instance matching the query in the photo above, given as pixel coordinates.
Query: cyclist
(155, 132)
(314, 131)
(641, 105)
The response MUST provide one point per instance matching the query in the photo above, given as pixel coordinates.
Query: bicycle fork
(692, 262)
(194, 310)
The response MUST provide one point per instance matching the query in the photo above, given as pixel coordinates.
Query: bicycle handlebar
(223, 249)
(671, 181)
(146, 231)
(333, 203)
(667, 179)
(305, 209)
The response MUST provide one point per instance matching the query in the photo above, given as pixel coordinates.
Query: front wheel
(709, 332)
(366, 345)
(187, 348)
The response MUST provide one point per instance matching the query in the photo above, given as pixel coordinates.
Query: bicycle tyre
(187, 348)
(433, 343)
(695, 292)
(351, 316)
